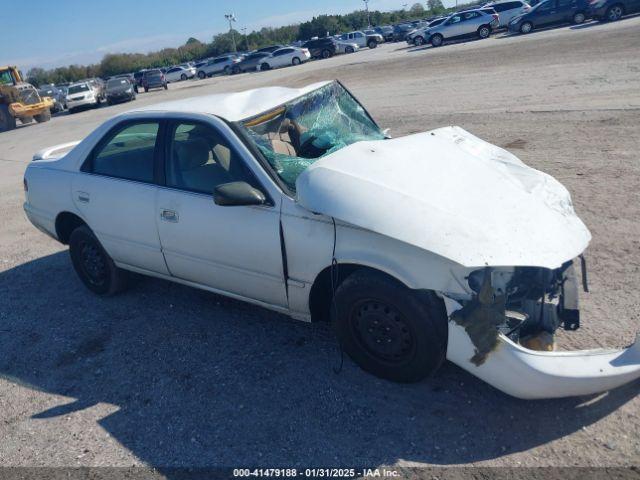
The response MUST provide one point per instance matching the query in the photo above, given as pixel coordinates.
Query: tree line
(320, 26)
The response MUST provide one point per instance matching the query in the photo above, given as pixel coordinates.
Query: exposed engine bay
(525, 304)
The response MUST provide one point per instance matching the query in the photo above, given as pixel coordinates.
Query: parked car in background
(324, 47)
(386, 31)
(550, 12)
(57, 95)
(154, 78)
(119, 90)
(251, 62)
(82, 94)
(285, 57)
(137, 76)
(224, 64)
(362, 39)
(246, 174)
(177, 73)
(270, 48)
(509, 9)
(346, 47)
(612, 10)
(401, 31)
(472, 23)
(418, 37)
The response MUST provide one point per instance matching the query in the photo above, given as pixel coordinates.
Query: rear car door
(546, 13)
(453, 27)
(235, 249)
(566, 9)
(116, 193)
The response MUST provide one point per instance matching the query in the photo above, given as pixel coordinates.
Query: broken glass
(295, 135)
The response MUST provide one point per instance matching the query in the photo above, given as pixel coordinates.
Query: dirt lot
(165, 375)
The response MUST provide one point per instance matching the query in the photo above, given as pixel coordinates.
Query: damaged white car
(425, 247)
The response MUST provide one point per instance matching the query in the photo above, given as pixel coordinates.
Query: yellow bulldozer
(20, 100)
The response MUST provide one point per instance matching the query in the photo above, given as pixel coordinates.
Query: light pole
(366, 6)
(231, 18)
(246, 40)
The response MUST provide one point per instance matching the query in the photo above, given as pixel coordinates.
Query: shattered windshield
(295, 135)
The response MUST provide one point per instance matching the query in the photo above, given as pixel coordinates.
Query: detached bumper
(531, 374)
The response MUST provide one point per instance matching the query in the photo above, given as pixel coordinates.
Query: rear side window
(128, 154)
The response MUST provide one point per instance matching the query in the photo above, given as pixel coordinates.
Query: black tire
(348, 50)
(146, 89)
(325, 53)
(578, 18)
(372, 44)
(484, 31)
(201, 75)
(418, 41)
(7, 121)
(265, 66)
(295, 61)
(183, 77)
(389, 330)
(93, 265)
(109, 102)
(614, 13)
(227, 70)
(43, 117)
(166, 86)
(436, 40)
(526, 27)
(235, 70)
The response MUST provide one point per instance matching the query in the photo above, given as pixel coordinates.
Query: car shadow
(595, 23)
(200, 380)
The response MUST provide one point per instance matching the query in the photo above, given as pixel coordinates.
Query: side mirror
(236, 194)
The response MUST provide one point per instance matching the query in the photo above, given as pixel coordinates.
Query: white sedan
(431, 246)
(285, 57)
(175, 74)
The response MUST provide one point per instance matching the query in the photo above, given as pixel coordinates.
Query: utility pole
(366, 6)
(231, 18)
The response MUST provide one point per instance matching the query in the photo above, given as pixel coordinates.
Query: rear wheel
(43, 117)
(166, 86)
(614, 13)
(295, 61)
(227, 70)
(526, 27)
(436, 40)
(325, 53)
(419, 40)
(484, 31)
(201, 75)
(389, 330)
(93, 265)
(183, 77)
(7, 121)
(578, 18)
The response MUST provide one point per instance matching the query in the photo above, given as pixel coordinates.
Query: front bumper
(531, 374)
(81, 103)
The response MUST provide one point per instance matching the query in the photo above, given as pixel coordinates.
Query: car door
(565, 10)
(235, 249)
(546, 13)
(116, 194)
(453, 27)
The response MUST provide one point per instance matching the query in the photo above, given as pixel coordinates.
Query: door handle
(169, 216)
(83, 197)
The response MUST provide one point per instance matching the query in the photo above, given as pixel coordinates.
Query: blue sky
(82, 31)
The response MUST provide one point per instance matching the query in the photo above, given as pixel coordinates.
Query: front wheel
(388, 329)
(7, 121)
(348, 50)
(43, 117)
(183, 77)
(166, 86)
(295, 61)
(526, 27)
(265, 66)
(226, 70)
(372, 44)
(325, 54)
(418, 41)
(484, 31)
(93, 264)
(436, 40)
(201, 75)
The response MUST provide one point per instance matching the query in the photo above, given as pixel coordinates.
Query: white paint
(449, 193)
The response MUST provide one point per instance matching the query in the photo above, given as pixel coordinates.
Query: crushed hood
(451, 193)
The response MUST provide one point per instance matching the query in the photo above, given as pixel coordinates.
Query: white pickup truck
(362, 39)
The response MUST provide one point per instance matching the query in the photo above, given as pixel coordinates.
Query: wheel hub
(93, 263)
(382, 331)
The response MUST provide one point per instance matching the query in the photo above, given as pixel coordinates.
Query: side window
(129, 153)
(454, 19)
(359, 35)
(546, 6)
(200, 159)
(564, 3)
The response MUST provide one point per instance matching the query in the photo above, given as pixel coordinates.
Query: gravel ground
(166, 375)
